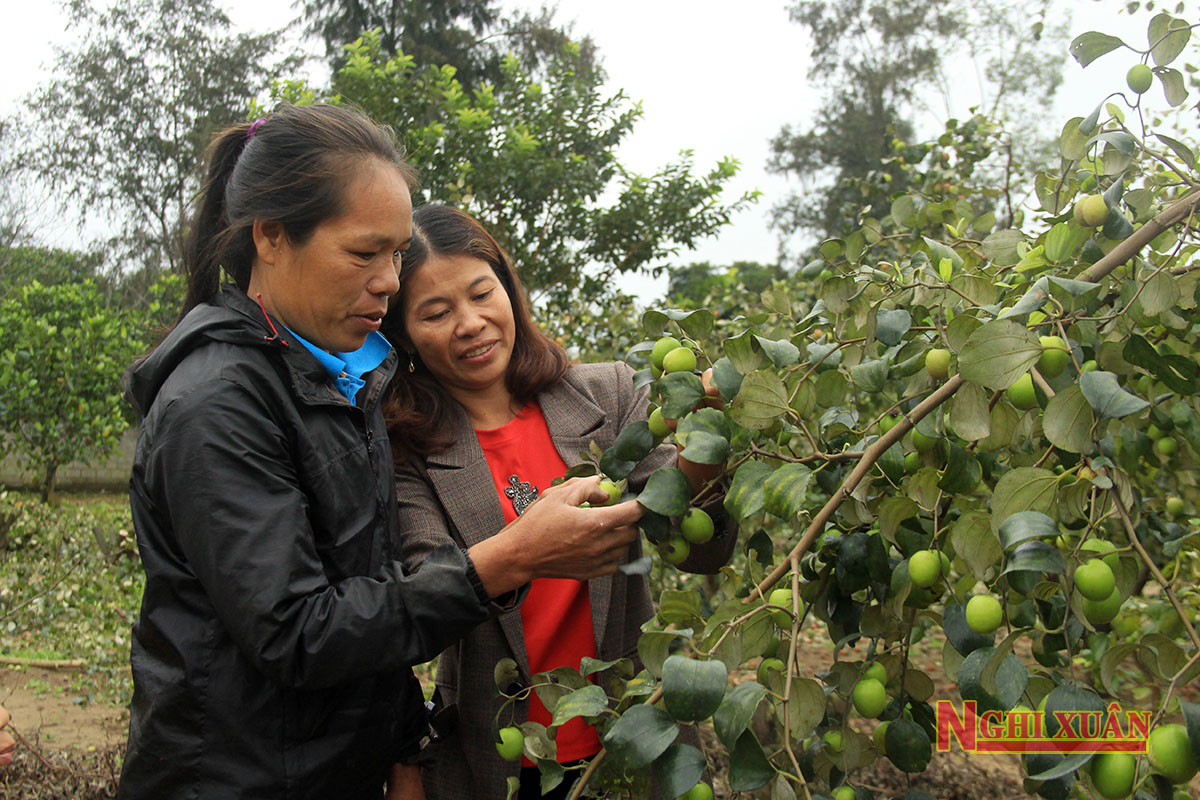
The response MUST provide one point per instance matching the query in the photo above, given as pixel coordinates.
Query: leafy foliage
(62, 355)
(139, 97)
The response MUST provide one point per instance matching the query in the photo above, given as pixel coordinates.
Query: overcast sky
(719, 78)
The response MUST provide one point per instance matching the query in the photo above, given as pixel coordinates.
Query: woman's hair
(291, 167)
(417, 406)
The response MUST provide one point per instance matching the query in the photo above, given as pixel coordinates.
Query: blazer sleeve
(632, 404)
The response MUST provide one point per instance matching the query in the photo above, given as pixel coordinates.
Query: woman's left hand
(7, 743)
(404, 783)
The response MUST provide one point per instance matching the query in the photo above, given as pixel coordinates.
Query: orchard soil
(72, 749)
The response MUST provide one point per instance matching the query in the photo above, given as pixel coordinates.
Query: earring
(411, 368)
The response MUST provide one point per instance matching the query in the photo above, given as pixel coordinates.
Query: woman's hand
(404, 783)
(7, 743)
(555, 538)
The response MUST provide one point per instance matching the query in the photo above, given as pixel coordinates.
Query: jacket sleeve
(706, 558)
(228, 488)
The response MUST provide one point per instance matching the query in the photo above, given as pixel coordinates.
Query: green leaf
(1072, 143)
(870, 376)
(1180, 149)
(1068, 421)
(998, 353)
(737, 709)
(667, 492)
(781, 352)
(1011, 680)
(693, 689)
(1036, 557)
(785, 489)
(1024, 526)
(696, 324)
(969, 417)
(1001, 247)
(1023, 489)
(1167, 37)
(642, 734)
(655, 646)
(1179, 373)
(1087, 47)
(1066, 766)
(555, 684)
(726, 377)
(1111, 659)
(963, 471)
(762, 400)
(590, 666)
(807, 704)
(1174, 88)
(1106, 396)
(682, 391)
(678, 769)
(745, 495)
(705, 419)
(677, 607)
(1063, 240)
(748, 766)
(634, 442)
(1160, 293)
(743, 355)
(891, 325)
(938, 251)
(590, 701)
(908, 746)
(973, 541)
(702, 447)
(1069, 697)
(1191, 719)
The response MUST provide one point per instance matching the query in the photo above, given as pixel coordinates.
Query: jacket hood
(230, 316)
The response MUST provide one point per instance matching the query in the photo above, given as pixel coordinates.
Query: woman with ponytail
(271, 657)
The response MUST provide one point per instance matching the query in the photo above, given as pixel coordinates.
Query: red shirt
(556, 616)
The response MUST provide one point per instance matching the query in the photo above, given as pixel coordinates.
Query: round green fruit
(1054, 357)
(696, 526)
(878, 737)
(701, 791)
(922, 443)
(511, 744)
(924, 568)
(658, 424)
(675, 550)
(870, 698)
(887, 423)
(834, 740)
(781, 597)
(1171, 753)
(1101, 612)
(681, 359)
(912, 462)
(1091, 211)
(937, 363)
(1089, 366)
(1104, 548)
(1166, 446)
(984, 614)
(1021, 393)
(1139, 78)
(1095, 580)
(1113, 774)
(767, 666)
(1174, 505)
(844, 793)
(663, 346)
(613, 491)
(876, 672)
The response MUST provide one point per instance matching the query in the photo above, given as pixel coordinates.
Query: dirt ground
(47, 715)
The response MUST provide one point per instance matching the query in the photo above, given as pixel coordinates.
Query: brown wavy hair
(416, 406)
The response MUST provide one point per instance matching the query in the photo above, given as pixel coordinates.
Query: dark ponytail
(291, 167)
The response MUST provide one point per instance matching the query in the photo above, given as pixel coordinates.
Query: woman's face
(333, 290)
(459, 319)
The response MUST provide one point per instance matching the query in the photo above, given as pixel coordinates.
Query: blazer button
(516, 687)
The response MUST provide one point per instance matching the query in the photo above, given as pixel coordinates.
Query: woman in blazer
(489, 412)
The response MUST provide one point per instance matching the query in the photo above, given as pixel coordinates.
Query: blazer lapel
(573, 419)
(457, 473)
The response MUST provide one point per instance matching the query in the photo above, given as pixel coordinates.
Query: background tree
(885, 64)
(62, 354)
(121, 127)
(473, 36)
(536, 161)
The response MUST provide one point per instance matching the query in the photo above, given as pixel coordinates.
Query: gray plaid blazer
(450, 496)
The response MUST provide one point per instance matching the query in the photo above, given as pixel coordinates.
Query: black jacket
(271, 657)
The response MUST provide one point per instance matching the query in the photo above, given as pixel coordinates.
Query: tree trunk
(48, 483)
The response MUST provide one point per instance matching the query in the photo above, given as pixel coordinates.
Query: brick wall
(110, 475)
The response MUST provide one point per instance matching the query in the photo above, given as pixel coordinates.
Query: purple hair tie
(254, 127)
